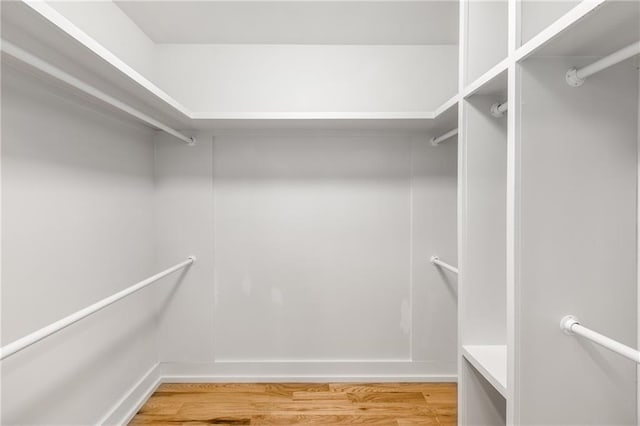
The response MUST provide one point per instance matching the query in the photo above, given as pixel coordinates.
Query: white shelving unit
(547, 191)
(45, 33)
(540, 189)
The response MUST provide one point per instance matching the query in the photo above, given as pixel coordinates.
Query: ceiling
(296, 22)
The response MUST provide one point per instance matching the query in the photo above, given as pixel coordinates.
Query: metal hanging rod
(436, 261)
(437, 141)
(28, 340)
(576, 77)
(571, 325)
(498, 109)
(56, 73)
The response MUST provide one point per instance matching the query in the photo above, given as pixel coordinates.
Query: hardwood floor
(392, 404)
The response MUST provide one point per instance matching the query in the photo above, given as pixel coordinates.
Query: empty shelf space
(491, 362)
(492, 82)
(589, 29)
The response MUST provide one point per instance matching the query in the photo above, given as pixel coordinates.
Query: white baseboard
(128, 406)
(278, 371)
(296, 371)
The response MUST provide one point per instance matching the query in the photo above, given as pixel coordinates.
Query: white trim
(318, 371)
(127, 407)
(296, 378)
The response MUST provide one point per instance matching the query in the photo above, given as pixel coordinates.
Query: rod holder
(567, 322)
(572, 78)
(499, 108)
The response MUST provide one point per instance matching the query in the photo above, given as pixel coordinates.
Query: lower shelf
(491, 362)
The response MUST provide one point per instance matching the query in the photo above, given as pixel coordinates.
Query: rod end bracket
(572, 78)
(495, 110)
(192, 259)
(192, 141)
(567, 322)
(433, 259)
(433, 141)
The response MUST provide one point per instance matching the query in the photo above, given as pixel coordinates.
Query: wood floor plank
(414, 398)
(319, 396)
(212, 387)
(324, 420)
(378, 404)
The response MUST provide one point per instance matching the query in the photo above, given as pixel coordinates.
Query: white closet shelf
(493, 81)
(445, 116)
(491, 362)
(585, 30)
(68, 47)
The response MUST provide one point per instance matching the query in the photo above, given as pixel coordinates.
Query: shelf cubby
(486, 37)
(537, 15)
(483, 404)
(491, 362)
(483, 312)
(588, 29)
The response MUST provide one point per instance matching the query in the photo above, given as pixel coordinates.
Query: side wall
(77, 222)
(313, 256)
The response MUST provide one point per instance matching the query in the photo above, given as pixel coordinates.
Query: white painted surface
(307, 371)
(491, 362)
(483, 404)
(486, 40)
(578, 242)
(536, 15)
(227, 81)
(484, 297)
(184, 209)
(99, 19)
(313, 248)
(296, 78)
(77, 221)
(313, 254)
(296, 22)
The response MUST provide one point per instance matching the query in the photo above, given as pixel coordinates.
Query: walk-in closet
(320, 212)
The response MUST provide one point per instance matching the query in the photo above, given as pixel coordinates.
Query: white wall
(319, 246)
(578, 243)
(307, 78)
(77, 222)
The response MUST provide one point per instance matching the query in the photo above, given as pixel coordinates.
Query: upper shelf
(592, 28)
(45, 33)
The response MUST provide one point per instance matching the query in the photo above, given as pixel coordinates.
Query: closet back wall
(320, 255)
